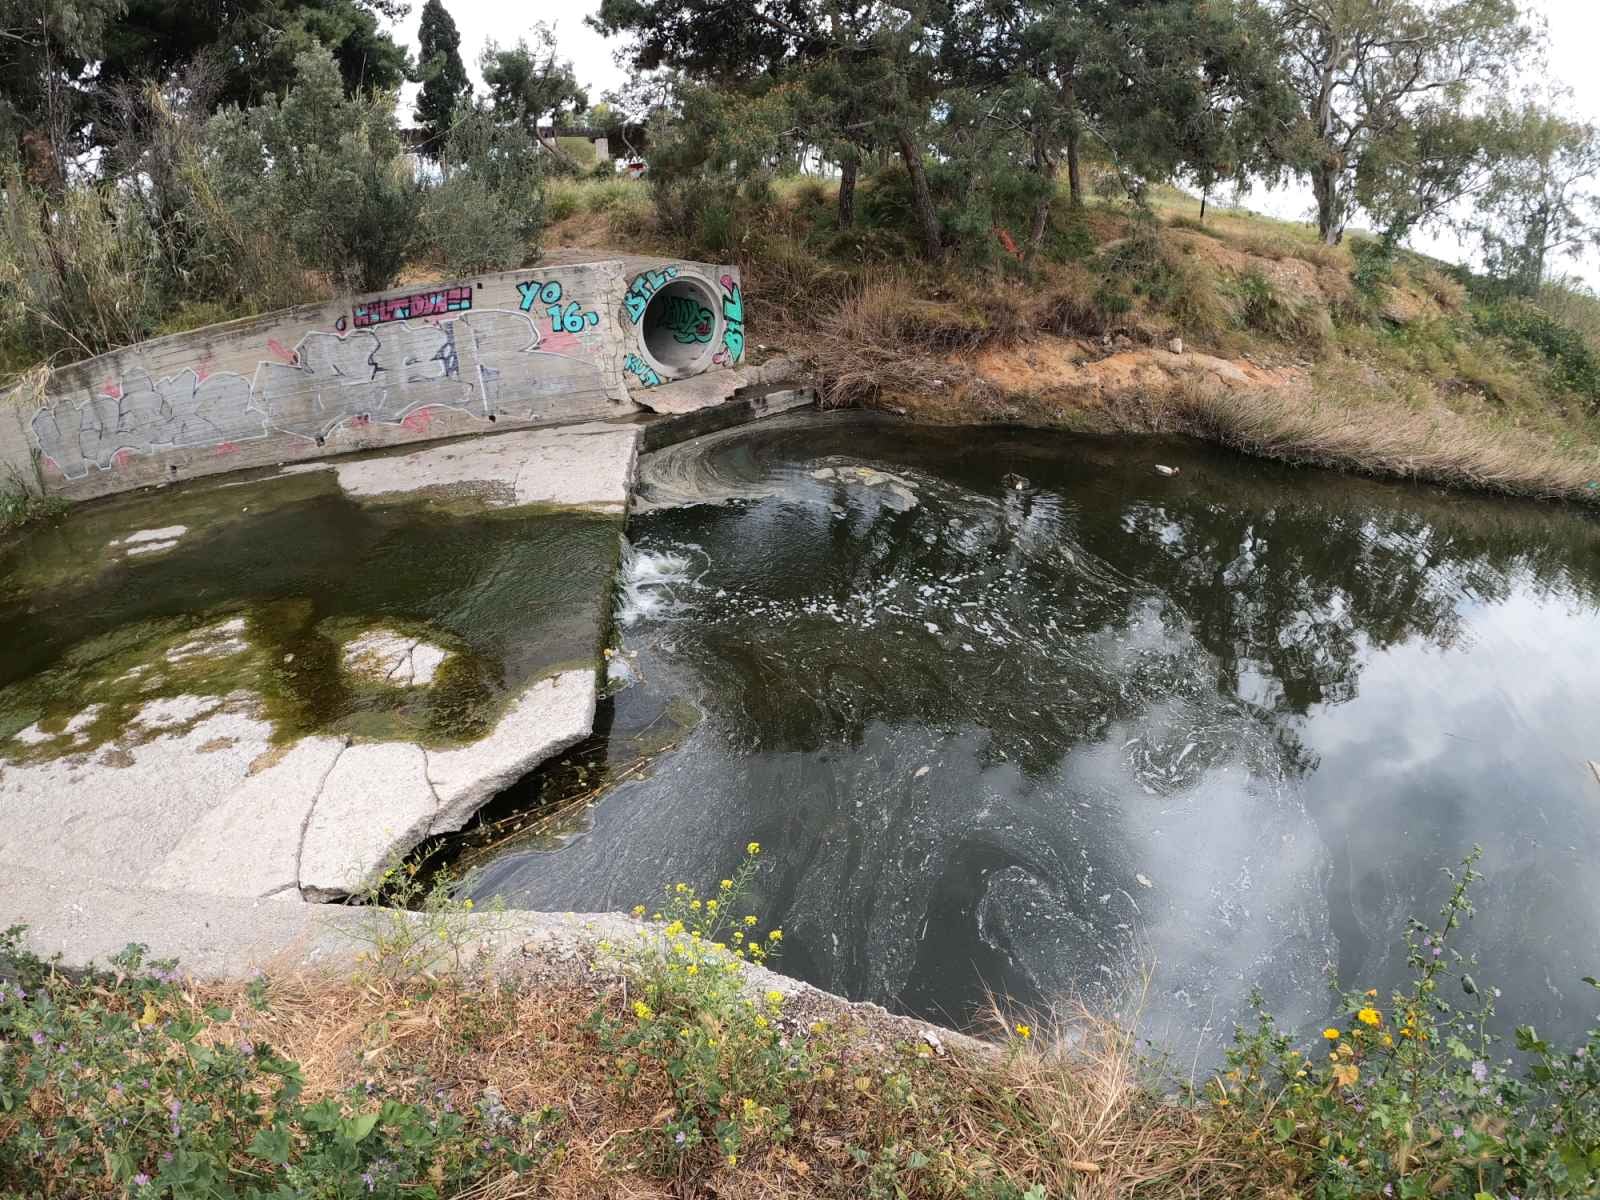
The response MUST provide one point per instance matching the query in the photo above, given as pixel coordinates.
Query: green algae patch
(506, 595)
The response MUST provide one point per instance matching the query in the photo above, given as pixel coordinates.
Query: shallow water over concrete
(510, 594)
(1014, 711)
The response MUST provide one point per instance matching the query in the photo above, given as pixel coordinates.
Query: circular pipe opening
(678, 331)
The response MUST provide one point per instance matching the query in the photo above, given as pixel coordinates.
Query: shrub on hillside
(325, 171)
(1573, 362)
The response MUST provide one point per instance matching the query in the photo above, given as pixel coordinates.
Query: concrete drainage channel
(181, 821)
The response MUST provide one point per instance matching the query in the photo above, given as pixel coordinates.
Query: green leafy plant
(416, 925)
(1405, 1097)
(115, 1083)
(733, 1075)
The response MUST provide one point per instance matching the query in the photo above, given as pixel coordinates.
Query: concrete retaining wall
(541, 346)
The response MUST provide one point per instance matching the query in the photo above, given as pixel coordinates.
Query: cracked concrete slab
(249, 843)
(384, 656)
(376, 803)
(581, 466)
(547, 718)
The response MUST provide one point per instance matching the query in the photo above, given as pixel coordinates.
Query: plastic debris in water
(1163, 469)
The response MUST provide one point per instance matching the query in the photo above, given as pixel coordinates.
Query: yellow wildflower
(638, 910)
(1369, 1016)
(674, 929)
(681, 888)
(761, 1022)
(695, 904)
(775, 998)
(642, 1010)
(776, 935)
(753, 848)
(1387, 1040)
(750, 920)
(466, 904)
(726, 885)
(692, 969)
(1333, 1035)
(711, 906)
(1024, 1031)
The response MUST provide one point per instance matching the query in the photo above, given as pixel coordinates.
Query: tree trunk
(1074, 175)
(927, 215)
(847, 193)
(1045, 169)
(1325, 186)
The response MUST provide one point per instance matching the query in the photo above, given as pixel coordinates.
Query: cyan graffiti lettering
(571, 319)
(641, 370)
(689, 320)
(642, 288)
(733, 323)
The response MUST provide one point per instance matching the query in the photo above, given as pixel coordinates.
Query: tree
(1366, 72)
(48, 51)
(529, 84)
(444, 79)
(322, 170)
(873, 69)
(1541, 201)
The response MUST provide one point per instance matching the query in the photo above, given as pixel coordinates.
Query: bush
(467, 229)
(80, 273)
(1411, 1101)
(1574, 365)
(1262, 309)
(323, 170)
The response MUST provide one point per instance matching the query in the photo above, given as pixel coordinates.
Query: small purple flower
(1458, 1132)
(366, 1178)
(38, 1039)
(140, 1179)
(1480, 1070)
(679, 1139)
(167, 1157)
(1437, 952)
(486, 1144)
(1388, 1189)
(247, 1047)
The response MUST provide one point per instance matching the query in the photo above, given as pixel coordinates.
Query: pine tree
(444, 79)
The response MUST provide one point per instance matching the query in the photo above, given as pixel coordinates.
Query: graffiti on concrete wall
(641, 370)
(435, 302)
(732, 324)
(573, 318)
(645, 285)
(688, 319)
(481, 362)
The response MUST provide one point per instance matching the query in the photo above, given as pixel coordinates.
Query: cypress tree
(444, 79)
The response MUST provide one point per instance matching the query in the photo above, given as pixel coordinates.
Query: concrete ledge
(545, 346)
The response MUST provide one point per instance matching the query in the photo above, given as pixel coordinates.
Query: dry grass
(1430, 444)
(1072, 1110)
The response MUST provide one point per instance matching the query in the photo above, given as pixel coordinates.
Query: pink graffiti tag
(111, 388)
(274, 346)
(419, 421)
(436, 302)
(227, 448)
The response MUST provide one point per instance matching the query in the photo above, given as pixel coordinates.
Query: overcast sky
(1574, 47)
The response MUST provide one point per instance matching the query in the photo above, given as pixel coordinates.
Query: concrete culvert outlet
(680, 327)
